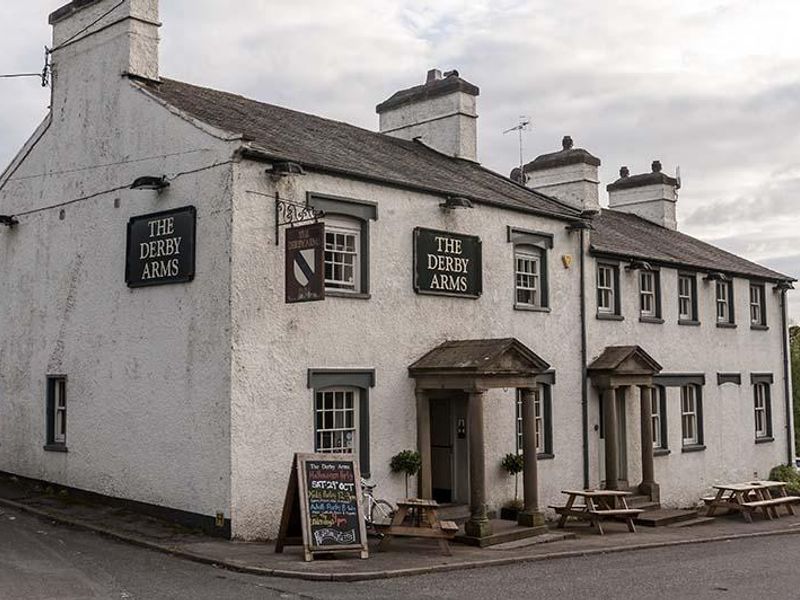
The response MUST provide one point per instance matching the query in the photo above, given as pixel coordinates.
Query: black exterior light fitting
(454, 202)
(717, 276)
(149, 182)
(8, 220)
(784, 286)
(639, 265)
(284, 168)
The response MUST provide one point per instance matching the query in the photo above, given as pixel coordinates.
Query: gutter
(584, 369)
(786, 375)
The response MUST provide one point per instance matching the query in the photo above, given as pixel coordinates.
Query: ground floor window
(691, 415)
(337, 420)
(763, 417)
(658, 402)
(56, 413)
(543, 420)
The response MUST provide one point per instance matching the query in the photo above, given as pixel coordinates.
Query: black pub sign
(161, 248)
(305, 263)
(447, 264)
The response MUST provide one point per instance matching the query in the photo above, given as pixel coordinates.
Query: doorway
(622, 440)
(449, 449)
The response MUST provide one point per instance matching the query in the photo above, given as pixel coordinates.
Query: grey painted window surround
(692, 277)
(731, 322)
(360, 210)
(662, 403)
(363, 379)
(616, 314)
(51, 444)
(729, 378)
(700, 445)
(539, 243)
(657, 317)
(679, 379)
(762, 324)
(764, 380)
(546, 386)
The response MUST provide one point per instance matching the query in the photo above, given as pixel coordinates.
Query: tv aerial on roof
(523, 125)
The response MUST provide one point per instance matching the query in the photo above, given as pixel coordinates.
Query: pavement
(404, 558)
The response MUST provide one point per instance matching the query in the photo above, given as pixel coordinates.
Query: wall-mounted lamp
(784, 286)
(8, 220)
(639, 265)
(717, 276)
(284, 168)
(149, 182)
(454, 202)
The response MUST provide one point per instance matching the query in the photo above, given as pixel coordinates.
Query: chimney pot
(434, 75)
(452, 73)
(567, 142)
(624, 172)
(656, 166)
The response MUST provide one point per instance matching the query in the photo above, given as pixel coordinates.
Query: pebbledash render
(194, 395)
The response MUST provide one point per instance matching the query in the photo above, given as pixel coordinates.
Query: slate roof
(628, 236)
(473, 356)
(322, 144)
(614, 356)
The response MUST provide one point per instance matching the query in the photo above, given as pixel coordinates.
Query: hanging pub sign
(305, 263)
(161, 248)
(447, 264)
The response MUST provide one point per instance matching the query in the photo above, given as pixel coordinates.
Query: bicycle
(378, 513)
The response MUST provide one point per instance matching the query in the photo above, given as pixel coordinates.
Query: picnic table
(419, 518)
(752, 496)
(597, 505)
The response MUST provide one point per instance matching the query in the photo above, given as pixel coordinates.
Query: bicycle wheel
(381, 514)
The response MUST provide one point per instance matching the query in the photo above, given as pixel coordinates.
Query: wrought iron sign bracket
(288, 213)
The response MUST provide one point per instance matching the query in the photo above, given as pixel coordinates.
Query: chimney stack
(441, 113)
(571, 175)
(652, 196)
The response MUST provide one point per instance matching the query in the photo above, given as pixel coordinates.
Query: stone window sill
(661, 452)
(759, 327)
(56, 448)
(693, 448)
(545, 456)
(340, 294)
(726, 325)
(765, 440)
(529, 308)
(655, 320)
(689, 323)
(609, 317)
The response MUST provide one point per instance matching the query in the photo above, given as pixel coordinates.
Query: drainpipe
(784, 287)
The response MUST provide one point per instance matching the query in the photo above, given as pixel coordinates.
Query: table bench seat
(617, 512)
(771, 502)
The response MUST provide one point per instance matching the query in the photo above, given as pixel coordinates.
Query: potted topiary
(513, 465)
(407, 462)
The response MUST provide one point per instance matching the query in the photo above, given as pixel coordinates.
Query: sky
(710, 86)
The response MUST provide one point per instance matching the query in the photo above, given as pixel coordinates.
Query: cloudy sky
(712, 86)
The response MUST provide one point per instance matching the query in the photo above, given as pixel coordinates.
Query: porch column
(478, 524)
(648, 486)
(611, 435)
(424, 443)
(530, 516)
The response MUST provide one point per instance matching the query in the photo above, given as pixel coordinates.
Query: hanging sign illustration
(305, 263)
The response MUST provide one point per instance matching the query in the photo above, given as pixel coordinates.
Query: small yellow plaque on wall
(567, 260)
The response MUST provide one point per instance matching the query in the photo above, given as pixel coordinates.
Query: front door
(622, 441)
(449, 450)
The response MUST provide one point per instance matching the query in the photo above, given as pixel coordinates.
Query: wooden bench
(752, 496)
(423, 523)
(599, 505)
(765, 505)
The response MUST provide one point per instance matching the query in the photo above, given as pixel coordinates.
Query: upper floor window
(687, 298)
(56, 413)
(758, 309)
(608, 289)
(531, 285)
(649, 295)
(724, 297)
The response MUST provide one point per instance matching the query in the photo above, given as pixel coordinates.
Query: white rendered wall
(656, 203)
(731, 453)
(275, 343)
(575, 184)
(148, 369)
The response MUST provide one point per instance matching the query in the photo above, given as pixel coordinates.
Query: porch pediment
(624, 360)
(494, 363)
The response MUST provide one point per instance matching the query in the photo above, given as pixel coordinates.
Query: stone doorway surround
(474, 367)
(622, 367)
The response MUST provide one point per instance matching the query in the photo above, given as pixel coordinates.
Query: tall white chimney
(652, 196)
(571, 175)
(441, 113)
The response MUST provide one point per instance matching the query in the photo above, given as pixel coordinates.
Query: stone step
(664, 516)
(503, 532)
(458, 513)
(693, 522)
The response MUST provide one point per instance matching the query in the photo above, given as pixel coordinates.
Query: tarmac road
(43, 561)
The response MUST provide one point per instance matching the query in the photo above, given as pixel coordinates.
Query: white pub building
(156, 346)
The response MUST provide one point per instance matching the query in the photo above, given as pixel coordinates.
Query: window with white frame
(757, 306)
(686, 298)
(648, 294)
(656, 419)
(56, 412)
(541, 406)
(336, 416)
(528, 276)
(690, 415)
(724, 302)
(342, 255)
(762, 410)
(607, 289)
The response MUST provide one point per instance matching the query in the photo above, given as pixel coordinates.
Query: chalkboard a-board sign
(322, 510)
